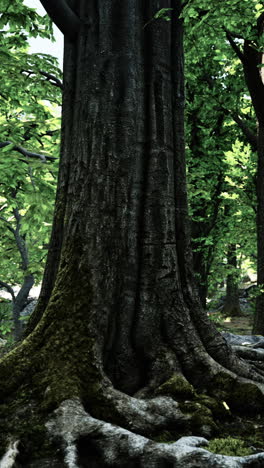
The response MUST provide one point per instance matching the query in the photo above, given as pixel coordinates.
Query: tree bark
(119, 319)
(258, 327)
(19, 303)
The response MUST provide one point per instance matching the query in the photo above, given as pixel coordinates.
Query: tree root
(249, 348)
(119, 447)
(252, 354)
(8, 460)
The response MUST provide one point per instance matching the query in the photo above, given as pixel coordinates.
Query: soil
(237, 325)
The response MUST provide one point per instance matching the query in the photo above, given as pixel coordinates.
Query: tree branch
(63, 16)
(20, 242)
(8, 288)
(251, 136)
(234, 46)
(184, 4)
(27, 153)
(9, 227)
(50, 77)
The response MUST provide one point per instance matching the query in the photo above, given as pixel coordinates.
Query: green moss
(247, 397)
(222, 384)
(177, 387)
(21, 419)
(201, 418)
(165, 437)
(217, 406)
(229, 446)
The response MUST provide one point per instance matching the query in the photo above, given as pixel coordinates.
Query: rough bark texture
(119, 325)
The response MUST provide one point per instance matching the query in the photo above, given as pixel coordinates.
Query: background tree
(220, 116)
(251, 58)
(29, 124)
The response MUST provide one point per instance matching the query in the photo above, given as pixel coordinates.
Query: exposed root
(141, 416)
(253, 341)
(9, 458)
(119, 447)
(249, 348)
(252, 354)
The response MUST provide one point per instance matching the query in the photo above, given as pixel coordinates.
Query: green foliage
(216, 317)
(29, 117)
(160, 14)
(5, 318)
(163, 14)
(221, 162)
(229, 446)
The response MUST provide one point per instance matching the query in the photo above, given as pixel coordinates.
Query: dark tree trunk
(201, 270)
(19, 303)
(118, 314)
(231, 305)
(251, 59)
(258, 327)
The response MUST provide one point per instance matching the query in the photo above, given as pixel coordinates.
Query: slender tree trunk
(19, 303)
(200, 269)
(232, 306)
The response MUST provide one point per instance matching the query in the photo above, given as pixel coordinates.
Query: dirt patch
(237, 325)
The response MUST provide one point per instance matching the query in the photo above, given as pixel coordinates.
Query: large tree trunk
(118, 318)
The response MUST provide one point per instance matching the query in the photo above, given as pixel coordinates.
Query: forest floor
(237, 325)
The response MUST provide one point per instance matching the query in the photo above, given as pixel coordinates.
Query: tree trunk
(19, 304)
(118, 319)
(252, 60)
(201, 270)
(258, 327)
(231, 305)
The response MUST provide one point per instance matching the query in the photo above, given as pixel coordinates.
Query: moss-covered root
(242, 395)
(113, 445)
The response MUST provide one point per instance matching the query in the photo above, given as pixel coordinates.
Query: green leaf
(163, 14)
(7, 148)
